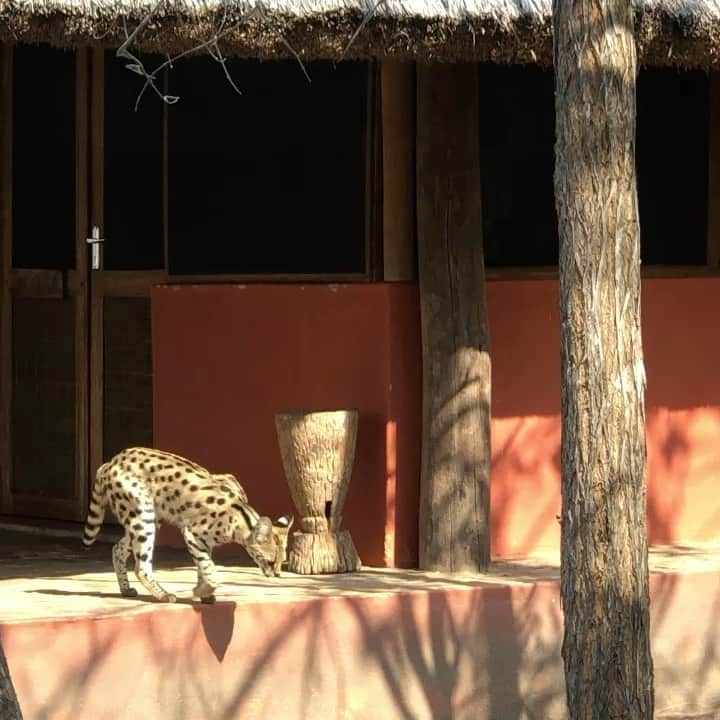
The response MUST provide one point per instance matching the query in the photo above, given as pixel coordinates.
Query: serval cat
(144, 487)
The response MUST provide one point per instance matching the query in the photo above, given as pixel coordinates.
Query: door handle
(95, 242)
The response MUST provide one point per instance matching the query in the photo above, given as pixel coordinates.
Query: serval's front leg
(206, 574)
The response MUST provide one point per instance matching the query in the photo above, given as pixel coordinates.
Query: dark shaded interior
(133, 229)
(43, 397)
(43, 158)
(517, 128)
(272, 180)
(127, 375)
(517, 159)
(672, 158)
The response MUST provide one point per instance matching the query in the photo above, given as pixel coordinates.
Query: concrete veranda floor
(44, 576)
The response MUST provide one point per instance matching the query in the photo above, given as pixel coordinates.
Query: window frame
(711, 267)
(373, 212)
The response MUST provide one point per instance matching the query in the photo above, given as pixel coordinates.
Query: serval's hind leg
(120, 554)
(142, 547)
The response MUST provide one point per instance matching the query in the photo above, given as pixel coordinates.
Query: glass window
(271, 180)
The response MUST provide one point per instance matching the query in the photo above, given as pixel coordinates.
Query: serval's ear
(262, 532)
(283, 524)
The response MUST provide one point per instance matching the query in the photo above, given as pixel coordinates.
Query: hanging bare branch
(151, 77)
(137, 66)
(297, 57)
(366, 19)
(211, 46)
(216, 54)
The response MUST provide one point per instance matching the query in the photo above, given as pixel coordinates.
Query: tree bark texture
(9, 707)
(454, 523)
(604, 583)
(318, 451)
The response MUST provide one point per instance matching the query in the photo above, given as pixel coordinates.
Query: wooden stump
(318, 450)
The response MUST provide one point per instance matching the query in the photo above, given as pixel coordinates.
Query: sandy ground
(45, 577)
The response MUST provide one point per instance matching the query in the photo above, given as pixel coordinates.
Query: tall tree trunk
(455, 474)
(9, 708)
(606, 646)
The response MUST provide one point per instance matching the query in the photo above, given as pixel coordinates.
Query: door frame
(105, 283)
(90, 287)
(44, 283)
(6, 133)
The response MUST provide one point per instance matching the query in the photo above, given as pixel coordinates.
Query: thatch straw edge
(662, 40)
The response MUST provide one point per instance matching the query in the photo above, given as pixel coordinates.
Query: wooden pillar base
(328, 552)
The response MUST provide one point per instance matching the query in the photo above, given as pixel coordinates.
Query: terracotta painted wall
(226, 358)
(682, 357)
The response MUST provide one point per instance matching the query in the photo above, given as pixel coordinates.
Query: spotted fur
(145, 487)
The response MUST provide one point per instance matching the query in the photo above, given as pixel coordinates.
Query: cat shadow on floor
(217, 618)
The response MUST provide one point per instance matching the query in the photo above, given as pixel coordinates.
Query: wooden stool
(318, 450)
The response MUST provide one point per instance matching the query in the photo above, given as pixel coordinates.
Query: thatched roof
(669, 32)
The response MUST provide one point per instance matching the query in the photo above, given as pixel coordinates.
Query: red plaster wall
(682, 357)
(226, 358)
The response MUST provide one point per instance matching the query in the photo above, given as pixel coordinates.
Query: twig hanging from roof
(368, 16)
(297, 57)
(212, 46)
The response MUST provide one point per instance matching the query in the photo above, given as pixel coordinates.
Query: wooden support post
(397, 80)
(373, 178)
(455, 478)
(81, 298)
(713, 198)
(6, 80)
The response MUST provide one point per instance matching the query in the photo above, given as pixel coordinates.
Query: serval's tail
(96, 514)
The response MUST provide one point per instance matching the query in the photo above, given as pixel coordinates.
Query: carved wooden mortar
(318, 450)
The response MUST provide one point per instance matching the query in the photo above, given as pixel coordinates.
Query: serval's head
(267, 543)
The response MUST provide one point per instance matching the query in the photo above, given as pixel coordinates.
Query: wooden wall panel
(43, 391)
(127, 377)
